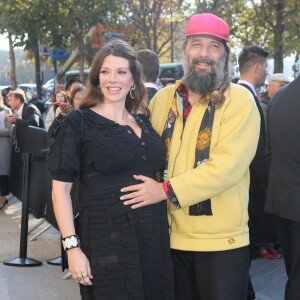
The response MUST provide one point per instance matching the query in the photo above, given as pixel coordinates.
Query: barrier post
(23, 260)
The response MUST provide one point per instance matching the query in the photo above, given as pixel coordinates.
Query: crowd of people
(173, 194)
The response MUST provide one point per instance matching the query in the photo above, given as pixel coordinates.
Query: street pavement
(47, 282)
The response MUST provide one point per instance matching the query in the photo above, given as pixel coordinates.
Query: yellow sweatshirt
(224, 178)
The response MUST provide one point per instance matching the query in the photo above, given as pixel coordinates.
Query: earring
(132, 92)
(99, 87)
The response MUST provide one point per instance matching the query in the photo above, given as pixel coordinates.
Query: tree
(272, 24)
(9, 25)
(154, 23)
(79, 16)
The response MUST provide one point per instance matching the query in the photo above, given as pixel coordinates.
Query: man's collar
(151, 85)
(251, 86)
(20, 110)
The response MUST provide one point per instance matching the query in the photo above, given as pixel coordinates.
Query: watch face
(71, 242)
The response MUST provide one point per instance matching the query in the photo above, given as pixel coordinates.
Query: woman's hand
(65, 107)
(142, 194)
(79, 266)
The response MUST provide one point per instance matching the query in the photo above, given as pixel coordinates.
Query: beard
(200, 81)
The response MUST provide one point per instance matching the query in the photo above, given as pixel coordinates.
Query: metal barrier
(30, 182)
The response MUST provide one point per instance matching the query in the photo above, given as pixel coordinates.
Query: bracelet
(71, 242)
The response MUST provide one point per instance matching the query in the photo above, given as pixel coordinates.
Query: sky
(3, 42)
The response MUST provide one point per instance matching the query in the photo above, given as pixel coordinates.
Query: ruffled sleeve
(64, 155)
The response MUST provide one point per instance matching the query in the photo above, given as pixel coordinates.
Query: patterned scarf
(203, 141)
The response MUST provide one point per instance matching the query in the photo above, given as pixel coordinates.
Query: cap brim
(208, 34)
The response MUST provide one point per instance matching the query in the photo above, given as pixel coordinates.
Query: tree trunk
(80, 43)
(38, 70)
(278, 38)
(13, 78)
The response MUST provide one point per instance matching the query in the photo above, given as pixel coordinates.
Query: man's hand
(11, 119)
(146, 193)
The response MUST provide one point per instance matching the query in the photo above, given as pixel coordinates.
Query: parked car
(30, 88)
(49, 86)
(171, 70)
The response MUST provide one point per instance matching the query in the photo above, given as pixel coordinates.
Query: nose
(203, 51)
(112, 77)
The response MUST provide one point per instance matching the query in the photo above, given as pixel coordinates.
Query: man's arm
(31, 118)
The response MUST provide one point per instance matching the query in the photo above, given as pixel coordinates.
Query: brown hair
(60, 92)
(19, 94)
(91, 96)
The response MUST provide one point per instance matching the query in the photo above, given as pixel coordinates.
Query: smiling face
(204, 63)
(205, 51)
(115, 79)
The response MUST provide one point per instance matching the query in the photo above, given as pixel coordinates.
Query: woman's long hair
(92, 95)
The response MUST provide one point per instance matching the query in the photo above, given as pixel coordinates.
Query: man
(253, 71)
(276, 81)
(71, 84)
(211, 129)
(150, 63)
(24, 114)
(38, 103)
(283, 202)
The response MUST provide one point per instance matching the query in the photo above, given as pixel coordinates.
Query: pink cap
(207, 24)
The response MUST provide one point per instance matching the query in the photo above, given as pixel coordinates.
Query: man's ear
(256, 67)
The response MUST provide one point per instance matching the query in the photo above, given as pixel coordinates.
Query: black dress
(128, 249)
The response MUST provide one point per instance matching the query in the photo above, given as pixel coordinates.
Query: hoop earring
(132, 92)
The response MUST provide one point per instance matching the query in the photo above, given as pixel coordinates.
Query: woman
(75, 98)
(5, 153)
(124, 253)
(59, 98)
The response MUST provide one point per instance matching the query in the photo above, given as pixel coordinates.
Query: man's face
(274, 86)
(262, 73)
(71, 88)
(13, 102)
(204, 62)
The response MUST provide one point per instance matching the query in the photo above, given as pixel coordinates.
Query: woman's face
(77, 100)
(115, 79)
(60, 97)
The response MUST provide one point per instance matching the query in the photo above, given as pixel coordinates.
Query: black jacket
(283, 151)
(31, 116)
(258, 166)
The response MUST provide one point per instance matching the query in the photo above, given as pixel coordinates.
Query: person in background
(253, 71)
(4, 94)
(71, 84)
(24, 114)
(38, 103)
(5, 153)
(211, 129)
(283, 203)
(276, 81)
(75, 98)
(150, 64)
(59, 98)
(117, 253)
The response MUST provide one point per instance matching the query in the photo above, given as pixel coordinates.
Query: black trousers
(221, 275)
(4, 190)
(289, 236)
